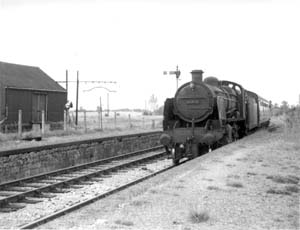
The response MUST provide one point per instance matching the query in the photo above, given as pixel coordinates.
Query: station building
(31, 90)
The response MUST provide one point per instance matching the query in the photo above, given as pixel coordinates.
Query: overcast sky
(255, 43)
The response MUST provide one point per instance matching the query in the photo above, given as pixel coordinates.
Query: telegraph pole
(67, 83)
(108, 104)
(101, 124)
(176, 73)
(76, 116)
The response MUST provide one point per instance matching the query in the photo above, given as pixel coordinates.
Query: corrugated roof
(26, 77)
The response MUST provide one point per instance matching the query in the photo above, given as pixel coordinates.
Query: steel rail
(47, 188)
(62, 212)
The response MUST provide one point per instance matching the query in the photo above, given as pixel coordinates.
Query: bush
(198, 216)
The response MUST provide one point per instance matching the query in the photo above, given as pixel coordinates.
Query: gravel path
(250, 184)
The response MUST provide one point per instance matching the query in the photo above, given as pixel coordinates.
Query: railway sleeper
(41, 195)
(50, 181)
(78, 174)
(59, 190)
(8, 193)
(19, 189)
(75, 186)
(62, 178)
(95, 179)
(85, 183)
(31, 201)
(7, 209)
(38, 184)
(12, 207)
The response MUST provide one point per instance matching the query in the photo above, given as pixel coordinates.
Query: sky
(255, 43)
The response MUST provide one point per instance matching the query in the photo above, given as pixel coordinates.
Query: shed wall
(15, 100)
(56, 105)
(23, 99)
(2, 102)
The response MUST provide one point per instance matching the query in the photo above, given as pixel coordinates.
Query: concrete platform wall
(31, 163)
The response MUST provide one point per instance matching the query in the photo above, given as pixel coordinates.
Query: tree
(284, 106)
(153, 102)
(159, 110)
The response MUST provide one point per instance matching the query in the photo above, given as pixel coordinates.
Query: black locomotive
(207, 113)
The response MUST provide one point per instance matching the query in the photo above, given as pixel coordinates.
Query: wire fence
(95, 120)
(88, 121)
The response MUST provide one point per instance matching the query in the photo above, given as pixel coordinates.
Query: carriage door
(39, 103)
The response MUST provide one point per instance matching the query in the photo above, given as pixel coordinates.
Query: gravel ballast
(249, 184)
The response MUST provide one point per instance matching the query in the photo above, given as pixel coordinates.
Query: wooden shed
(31, 90)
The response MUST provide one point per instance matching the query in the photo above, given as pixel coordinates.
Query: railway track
(98, 177)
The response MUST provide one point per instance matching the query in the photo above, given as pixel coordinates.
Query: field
(119, 120)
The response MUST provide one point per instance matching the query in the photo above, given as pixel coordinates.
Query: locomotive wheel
(176, 154)
(203, 149)
(167, 150)
(176, 161)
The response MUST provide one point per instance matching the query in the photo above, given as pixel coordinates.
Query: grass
(242, 159)
(278, 192)
(234, 176)
(139, 203)
(198, 216)
(284, 179)
(287, 190)
(153, 191)
(296, 146)
(235, 184)
(8, 137)
(292, 188)
(124, 222)
(272, 128)
(213, 188)
(179, 186)
(251, 174)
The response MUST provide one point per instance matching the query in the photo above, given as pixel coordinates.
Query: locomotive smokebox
(197, 76)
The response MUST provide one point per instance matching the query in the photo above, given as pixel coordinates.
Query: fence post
(143, 122)
(115, 120)
(20, 123)
(153, 124)
(100, 118)
(43, 122)
(129, 118)
(84, 117)
(65, 120)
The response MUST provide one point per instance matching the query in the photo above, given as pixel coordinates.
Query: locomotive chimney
(197, 76)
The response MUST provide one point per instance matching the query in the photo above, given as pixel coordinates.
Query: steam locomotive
(207, 113)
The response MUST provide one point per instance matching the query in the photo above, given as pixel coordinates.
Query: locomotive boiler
(202, 115)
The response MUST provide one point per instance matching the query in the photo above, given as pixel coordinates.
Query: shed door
(39, 103)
